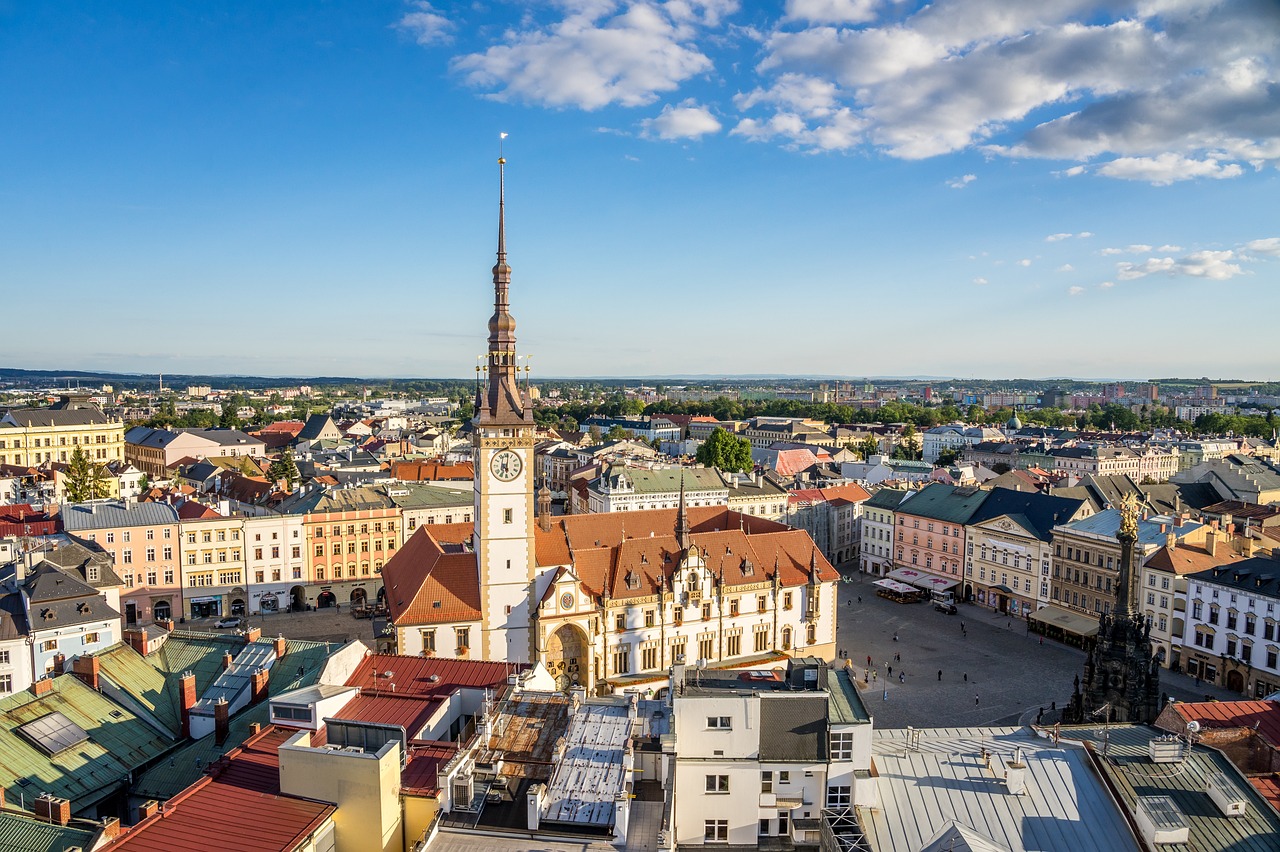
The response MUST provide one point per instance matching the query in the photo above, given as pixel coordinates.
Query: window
(648, 618)
(784, 777)
(275, 552)
(723, 723)
(49, 645)
(762, 603)
(761, 641)
(91, 638)
(786, 600)
(649, 658)
(6, 683)
(706, 647)
(716, 830)
(4, 658)
(717, 783)
(842, 746)
(1213, 615)
(429, 640)
(838, 797)
(766, 782)
(168, 576)
(462, 636)
(622, 659)
(506, 516)
(620, 621)
(733, 645)
(168, 553)
(319, 551)
(151, 554)
(1231, 620)
(733, 607)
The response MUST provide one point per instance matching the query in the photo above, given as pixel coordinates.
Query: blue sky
(836, 187)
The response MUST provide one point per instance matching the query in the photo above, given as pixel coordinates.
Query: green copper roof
(118, 743)
(21, 833)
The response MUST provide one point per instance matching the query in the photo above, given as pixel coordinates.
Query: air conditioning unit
(463, 791)
(1225, 796)
(1165, 749)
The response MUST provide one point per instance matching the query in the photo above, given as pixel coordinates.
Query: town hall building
(605, 601)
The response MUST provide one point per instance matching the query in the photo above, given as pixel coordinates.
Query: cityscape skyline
(767, 166)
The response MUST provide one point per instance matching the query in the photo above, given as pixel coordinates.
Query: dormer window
(633, 580)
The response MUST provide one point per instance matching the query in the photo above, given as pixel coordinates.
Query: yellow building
(34, 436)
(213, 564)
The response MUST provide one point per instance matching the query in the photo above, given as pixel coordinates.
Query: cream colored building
(35, 436)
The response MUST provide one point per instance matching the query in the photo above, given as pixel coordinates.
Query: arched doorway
(567, 655)
(1235, 681)
(358, 597)
(237, 601)
(298, 599)
(326, 599)
(161, 611)
(382, 595)
(269, 603)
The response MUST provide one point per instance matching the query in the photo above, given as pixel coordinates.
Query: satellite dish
(702, 663)
(1193, 727)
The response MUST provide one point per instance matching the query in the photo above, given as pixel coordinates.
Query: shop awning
(1066, 621)
(895, 586)
(1002, 588)
(921, 580)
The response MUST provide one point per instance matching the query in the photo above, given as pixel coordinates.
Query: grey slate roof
(45, 417)
(77, 555)
(1259, 575)
(946, 503)
(793, 728)
(1107, 523)
(105, 514)
(1037, 512)
(58, 599)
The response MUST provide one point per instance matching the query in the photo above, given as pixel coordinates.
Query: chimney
(281, 646)
(1211, 544)
(87, 669)
(137, 640)
(255, 728)
(52, 809)
(147, 809)
(1170, 540)
(253, 634)
(165, 624)
(221, 721)
(186, 700)
(226, 660)
(110, 829)
(59, 663)
(42, 687)
(258, 685)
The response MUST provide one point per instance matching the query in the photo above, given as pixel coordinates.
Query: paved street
(322, 625)
(1008, 670)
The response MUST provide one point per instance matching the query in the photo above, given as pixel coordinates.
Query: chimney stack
(43, 686)
(110, 828)
(258, 685)
(281, 647)
(221, 721)
(59, 663)
(147, 810)
(253, 634)
(1211, 543)
(186, 700)
(87, 669)
(226, 660)
(52, 809)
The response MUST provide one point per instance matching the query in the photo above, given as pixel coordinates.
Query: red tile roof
(1269, 787)
(20, 519)
(1263, 716)
(413, 675)
(239, 803)
(433, 472)
(193, 511)
(430, 582)
(791, 462)
(292, 427)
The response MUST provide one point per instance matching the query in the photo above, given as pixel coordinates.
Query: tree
(85, 480)
(617, 433)
(869, 447)
(1000, 467)
(946, 458)
(284, 468)
(726, 452)
(909, 445)
(228, 420)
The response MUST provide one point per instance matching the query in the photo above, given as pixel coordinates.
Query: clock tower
(503, 442)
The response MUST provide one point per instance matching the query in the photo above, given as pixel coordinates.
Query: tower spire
(502, 399)
(682, 518)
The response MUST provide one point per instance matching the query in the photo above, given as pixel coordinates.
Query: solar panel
(53, 733)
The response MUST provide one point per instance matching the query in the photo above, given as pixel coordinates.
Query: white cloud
(1214, 265)
(686, 121)
(1269, 246)
(426, 24)
(961, 182)
(1084, 235)
(1169, 248)
(981, 281)
(598, 54)
(1168, 168)
(1159, 91)
(1075, 291)
(1107, 285)
(1057, 238)
(1024, 262)
(1066, 267)
(1136, 249)
(832, 11)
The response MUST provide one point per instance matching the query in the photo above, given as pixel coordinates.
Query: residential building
(760, 755)
(1008, 552)
(763, 432)
(34, 436)
(66, 618)
(1163, 580)
(878, 469)
(276, 577)
(622, 489)
(432, 504)
(651, 429)
(1086, 557)
(878, 524)
(931, 530)
(1233, 626)
(831, 516)
(755, 494)
(142, 539)
(213, 564)
(955, 437)
(1238, 477)
(155, 451)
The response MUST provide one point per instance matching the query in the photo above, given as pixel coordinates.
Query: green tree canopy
(85, 480)
(726, 452)
(284, 468)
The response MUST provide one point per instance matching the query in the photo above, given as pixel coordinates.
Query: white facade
(624, 490)
(70, 641)
(1233, 627)
(275, 563)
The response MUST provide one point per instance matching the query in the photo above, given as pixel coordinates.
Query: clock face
(505, 465)
(566, 601)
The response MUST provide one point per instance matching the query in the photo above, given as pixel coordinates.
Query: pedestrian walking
(976, 702)
(902, 677)
(859, 598)
(868, 661)
(895, 637)
(875, 675)
(889, 668)
(939, 674)
(897, 658)
(966, 677)
(1041, 640)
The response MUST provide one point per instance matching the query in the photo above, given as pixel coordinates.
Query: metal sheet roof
(1134, 775)
(585, 786)
(944, 778)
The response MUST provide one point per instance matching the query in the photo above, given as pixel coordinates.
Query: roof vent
(1160, 821)
(1225, 795)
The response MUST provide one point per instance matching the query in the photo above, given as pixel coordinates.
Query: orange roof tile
(1262, 716)
(429, 582)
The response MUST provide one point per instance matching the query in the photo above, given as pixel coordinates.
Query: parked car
(224, 623)
(949, 609)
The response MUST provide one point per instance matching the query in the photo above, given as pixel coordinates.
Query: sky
(968, 188)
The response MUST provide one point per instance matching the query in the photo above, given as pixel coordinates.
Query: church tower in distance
(503, 441)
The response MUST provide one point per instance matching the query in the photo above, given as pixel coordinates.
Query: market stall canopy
(1068, 622)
